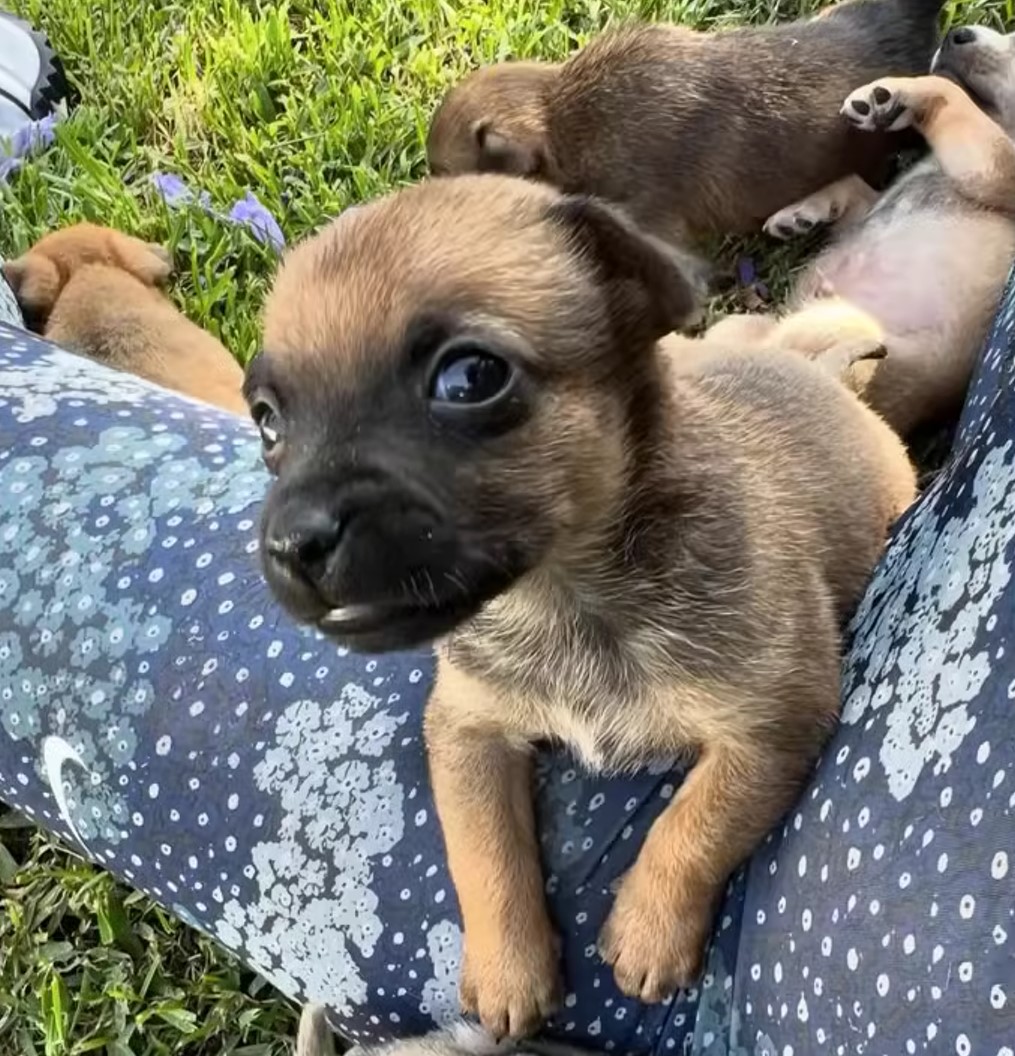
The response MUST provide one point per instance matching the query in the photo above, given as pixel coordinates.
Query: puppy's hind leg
(841, 203)
(840, 359)
(972, 149)
(837, 336)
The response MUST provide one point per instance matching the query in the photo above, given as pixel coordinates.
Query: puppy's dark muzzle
(959, 37)
(964, 55)
(302, 544)
(371, 567)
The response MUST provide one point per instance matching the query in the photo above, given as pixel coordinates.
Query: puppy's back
(724, 129)
(831, 476)
(110, 316)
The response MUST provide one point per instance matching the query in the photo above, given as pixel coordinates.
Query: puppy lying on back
(920, 269)
(477, 439)
(96, 291)
(694, 133)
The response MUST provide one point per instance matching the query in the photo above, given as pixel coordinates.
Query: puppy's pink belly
(905, 290)
(926, 274)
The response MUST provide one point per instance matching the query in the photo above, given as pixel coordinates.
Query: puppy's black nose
(962, 35)
(305, 541)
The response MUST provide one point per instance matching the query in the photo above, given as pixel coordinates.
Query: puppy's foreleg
(656, 934)
(972, 149)
(748, 774)
(482, 788)
(842, 203)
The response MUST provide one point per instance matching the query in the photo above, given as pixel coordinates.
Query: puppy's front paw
(512, 987)
(879, 106)
(655, 941)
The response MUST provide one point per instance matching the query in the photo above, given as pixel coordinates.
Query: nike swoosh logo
(56, 752)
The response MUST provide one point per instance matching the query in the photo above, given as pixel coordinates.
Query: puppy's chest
(599, 703)
(605, 737)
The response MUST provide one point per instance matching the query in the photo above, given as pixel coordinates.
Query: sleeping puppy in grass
(695, 134)
(477, 440)
(920, 269)
(97, 292)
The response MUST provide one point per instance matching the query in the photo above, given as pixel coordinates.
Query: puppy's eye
(266, 419)
(470, 375)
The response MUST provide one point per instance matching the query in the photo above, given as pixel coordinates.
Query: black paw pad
(862, 108)
(804, 224)
(881, 95)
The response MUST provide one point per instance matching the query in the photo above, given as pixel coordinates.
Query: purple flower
(250, 213)
(176, 194)
(171, 189)
(746, 273)
(29, 139)
(36, 135)
(9, 166)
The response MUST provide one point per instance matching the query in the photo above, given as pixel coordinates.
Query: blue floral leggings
(160, 713)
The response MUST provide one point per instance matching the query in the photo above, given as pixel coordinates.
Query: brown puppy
(95, 291)
(477, 438)
(694, 133)
(920, 269)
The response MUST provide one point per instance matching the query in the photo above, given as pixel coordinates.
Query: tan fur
(695, 536)
(919, 271)
(694, 133)
(314, 1037)
(463, 1039)
(95, 291)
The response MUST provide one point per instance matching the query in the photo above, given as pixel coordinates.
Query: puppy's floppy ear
(513, 154)
(14, 273)
(147, 261)
(36, 282)
(652, 288)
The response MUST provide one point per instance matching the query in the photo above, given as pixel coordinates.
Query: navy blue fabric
(160, 712)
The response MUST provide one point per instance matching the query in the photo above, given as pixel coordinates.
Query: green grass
(313, 106)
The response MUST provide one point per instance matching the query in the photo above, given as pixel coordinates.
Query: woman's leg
(881, 918)
(160, 712)
(9, 311)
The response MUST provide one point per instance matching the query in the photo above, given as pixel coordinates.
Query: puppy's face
(451, 384)
(982, 61)
(39, 276)
(494, 121)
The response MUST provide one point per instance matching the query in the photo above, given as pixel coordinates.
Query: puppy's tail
(314, 1037)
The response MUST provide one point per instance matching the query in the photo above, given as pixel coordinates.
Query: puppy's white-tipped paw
(877, 107)
(797, 220)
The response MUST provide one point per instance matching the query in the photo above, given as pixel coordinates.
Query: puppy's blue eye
(470, 377)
